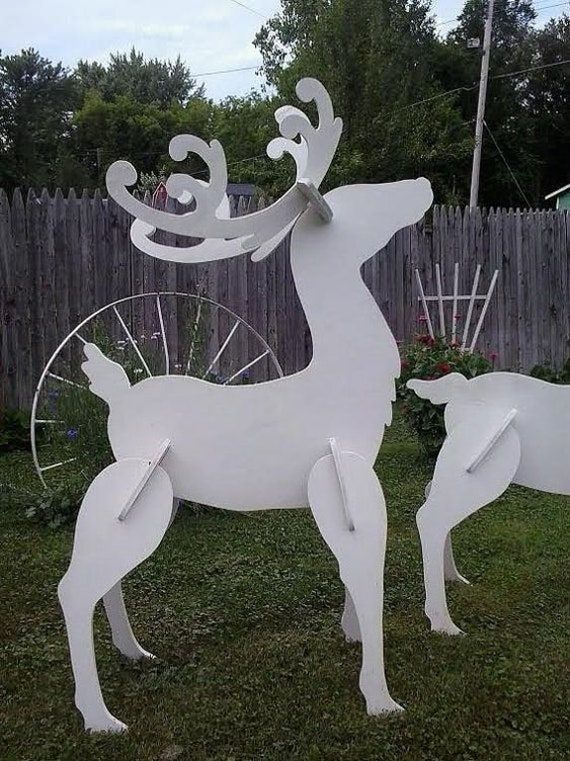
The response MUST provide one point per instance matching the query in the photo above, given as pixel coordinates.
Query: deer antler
(312, 153)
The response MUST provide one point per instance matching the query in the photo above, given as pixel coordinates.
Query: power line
(467, 88)
(225, 71)
(506, 163)
(247, 8)
(538, 8)
(532, 68)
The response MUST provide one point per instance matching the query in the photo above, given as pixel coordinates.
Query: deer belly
(251, 469)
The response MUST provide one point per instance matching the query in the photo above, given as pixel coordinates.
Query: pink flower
(493, 356)
(422, 318)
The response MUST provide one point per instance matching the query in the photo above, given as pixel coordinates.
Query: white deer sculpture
(502, 428)
(309, 439)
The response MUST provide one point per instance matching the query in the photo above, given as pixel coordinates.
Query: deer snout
(425, 193)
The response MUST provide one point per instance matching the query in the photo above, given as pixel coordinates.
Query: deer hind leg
(106, 549)
(121, 631)
(360, 554)
(456, 493)
(450, 571)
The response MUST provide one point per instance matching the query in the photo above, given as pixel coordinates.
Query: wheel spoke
(246, 367)
(57, 464)
(222, 348)
(161, 320)
(132, 341)
(66, 380)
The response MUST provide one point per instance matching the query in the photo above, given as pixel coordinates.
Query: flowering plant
(429, 358)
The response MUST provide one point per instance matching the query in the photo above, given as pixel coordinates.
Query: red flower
(444, 367)
(493, 356)
(404, 364)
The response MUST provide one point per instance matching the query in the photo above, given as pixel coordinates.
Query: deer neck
(348, 330)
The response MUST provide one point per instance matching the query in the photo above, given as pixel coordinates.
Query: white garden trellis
(455, 298)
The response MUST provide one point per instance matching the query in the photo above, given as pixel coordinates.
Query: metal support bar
(152, 466)
(483, 311)
(424, 300)
(491, 441)
(472, 299)
(338, 465)
(450, 298)
(440, 300)
(314, 197)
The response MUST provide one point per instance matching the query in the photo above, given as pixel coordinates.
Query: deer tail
(439, 391)
(107, 379)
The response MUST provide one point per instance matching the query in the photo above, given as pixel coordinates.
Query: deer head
(312, 148)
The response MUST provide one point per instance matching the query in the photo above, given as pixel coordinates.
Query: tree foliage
(407, 97)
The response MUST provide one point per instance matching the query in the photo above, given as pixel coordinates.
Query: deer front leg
(360, 554)
(456, 493)
(105, 550)
(349, 621)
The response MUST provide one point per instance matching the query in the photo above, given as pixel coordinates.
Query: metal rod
(69, 382)
(484, 311)
(243, 369)
(222, 348)
(424, 304)
(58, 464)
(341, 482)
(491, 441)
(132, 341)
(455, 315)
(165, 345)
(440, 300)
(83, 341)
(460, 297)
(152, 466)
(471, 305)
(194, 334)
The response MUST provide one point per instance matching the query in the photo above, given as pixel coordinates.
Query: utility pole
(473, 196)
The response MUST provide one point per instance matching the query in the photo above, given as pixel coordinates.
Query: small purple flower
(72, 433)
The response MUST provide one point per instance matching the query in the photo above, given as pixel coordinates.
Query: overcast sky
(208, 34)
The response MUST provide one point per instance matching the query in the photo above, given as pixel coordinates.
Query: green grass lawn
(243, 613)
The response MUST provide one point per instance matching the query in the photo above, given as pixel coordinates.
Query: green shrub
(429, 358)
(547, 373)
(58, 506)
(14, 430)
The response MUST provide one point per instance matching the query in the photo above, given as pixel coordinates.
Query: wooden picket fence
(61, 258)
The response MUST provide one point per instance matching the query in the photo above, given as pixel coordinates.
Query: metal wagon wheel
(148, 334)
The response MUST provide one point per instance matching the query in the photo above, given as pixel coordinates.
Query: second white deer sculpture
(309, 439)
(502, 428)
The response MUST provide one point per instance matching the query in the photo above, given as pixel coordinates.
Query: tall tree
(547, 93)
(374, 56)
(36, 103)
(146, 81)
